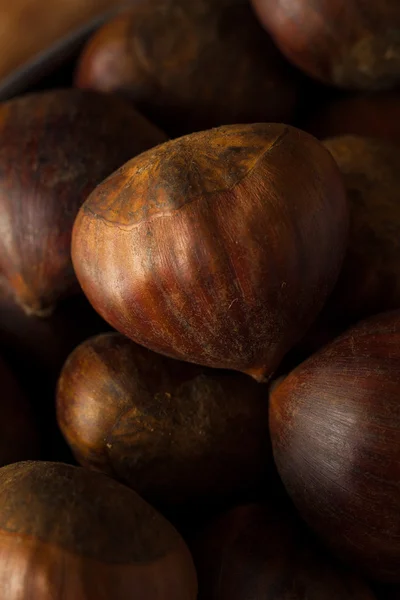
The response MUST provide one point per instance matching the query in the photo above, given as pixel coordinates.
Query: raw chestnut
(18, 435)
(192, 65)
(353, 44)
(217, 248)
(335, 429)
(72, 534)
(179, 436)
(257, 552)
(370, 279)
(55, 147)
(369, 115)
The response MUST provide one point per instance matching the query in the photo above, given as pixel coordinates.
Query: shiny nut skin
(72, 534)
(55, 147)
(181, 436)
(335, 430)
(192, 65)
(352, 44)
(218, 248)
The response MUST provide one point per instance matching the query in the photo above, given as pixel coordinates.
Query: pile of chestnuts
(200, 308)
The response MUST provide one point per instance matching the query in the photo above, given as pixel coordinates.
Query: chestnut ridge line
(129, 227)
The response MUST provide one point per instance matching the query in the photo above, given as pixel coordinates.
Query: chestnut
(70, 533)
(368, 115)
(191, 65)
(369, 282)
(182, 437)
(19, 438)
(55, 147)
(335, 430)
(261, 553)
(353, 44)
(217, 248)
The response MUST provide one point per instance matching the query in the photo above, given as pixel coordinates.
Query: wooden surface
(29, 26)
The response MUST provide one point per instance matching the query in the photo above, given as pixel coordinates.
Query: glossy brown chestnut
(335, 429)
(18, 435)
(55, 148)
(260, 553)
(353, 44)
(192, 65)
(369, 115)
(77, 535)
(180, 436)
(217, 248)
(370, 279)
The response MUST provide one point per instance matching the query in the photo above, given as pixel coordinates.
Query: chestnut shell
(335, 430)
(55, 147)
(260, 552)
(182, 437)
(74, 534)
(353, 44)
(369, 282)
(191, 65)
(217, 248)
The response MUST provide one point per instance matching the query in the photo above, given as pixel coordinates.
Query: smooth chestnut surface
(369, 282)
(77, 535)
(192, 65)
(258, 552)
(180, 436)
(369, 115)
(217, 248)
(19, 438)
(353, 44)
(55, 147)
(335, 430)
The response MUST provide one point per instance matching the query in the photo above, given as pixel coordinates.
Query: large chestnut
(368, 115)
(335, 429)
(55, 147)
(217, 248)
(353, 44)
(18, 433)
(261, 553)
(73, 534)
(192, 65)
(369, 282)
(178, 435)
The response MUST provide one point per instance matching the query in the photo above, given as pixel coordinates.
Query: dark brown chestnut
(353, 44)
(180, 436)
(192, 65)
(370, 279)
(19, 438)
(77, 535)
(369, 115)
(335, 429)
(261, 553)
(55, 147)
(218, 248)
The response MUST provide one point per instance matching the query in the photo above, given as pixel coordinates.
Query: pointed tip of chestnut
(259, 374)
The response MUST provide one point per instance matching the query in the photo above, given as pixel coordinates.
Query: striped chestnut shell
(217, 248)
